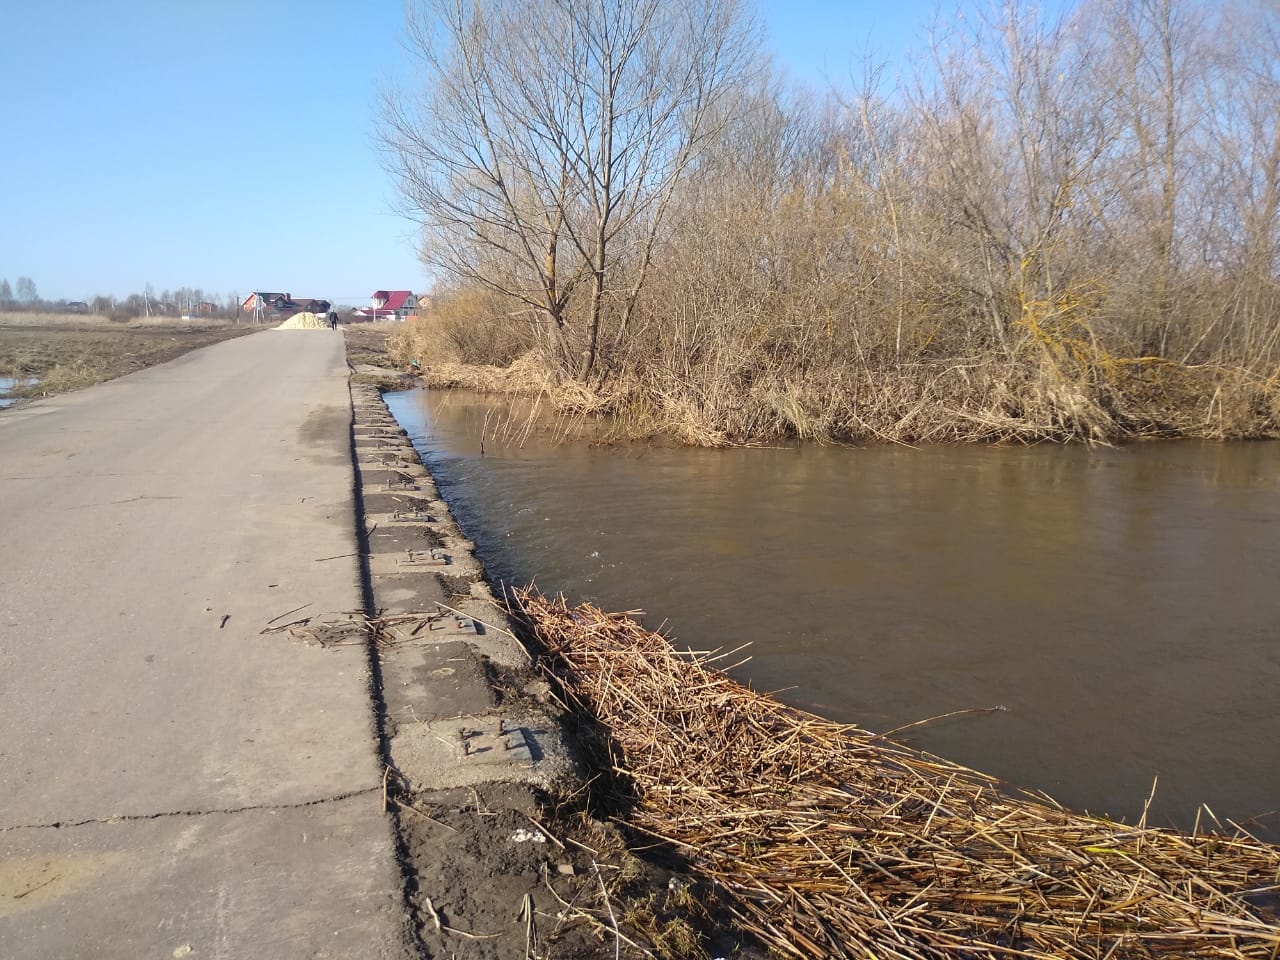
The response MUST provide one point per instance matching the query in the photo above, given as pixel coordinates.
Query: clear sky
(228, 144)
(824, 42)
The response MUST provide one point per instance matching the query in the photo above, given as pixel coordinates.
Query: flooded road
(1123, 606)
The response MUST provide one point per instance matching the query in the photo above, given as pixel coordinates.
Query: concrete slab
(408, 593)
(433, 628)
(376, 436)
(376, 473)
(464, 752)
(383, 448)
(449, 559)
(400, 537)
(408, 482)
(496, 641)
(378, 505)
(294, 882)
(435, 680)
(410, 515)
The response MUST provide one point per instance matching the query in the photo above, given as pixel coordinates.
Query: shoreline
(644, 795)
(936, 401)
(708, 890)
(486, 785)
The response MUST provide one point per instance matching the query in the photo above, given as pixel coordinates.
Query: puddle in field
(11, 383)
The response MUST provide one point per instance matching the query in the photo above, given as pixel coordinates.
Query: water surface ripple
(1123, 604)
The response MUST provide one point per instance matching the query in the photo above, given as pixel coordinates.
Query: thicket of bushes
(1059, 231)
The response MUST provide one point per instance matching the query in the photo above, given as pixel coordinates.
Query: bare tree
(1244, 169)
(26, 290)
(543, 146)
(1063, 226)
(1156, 49)
(6, 292)
(1011, 143)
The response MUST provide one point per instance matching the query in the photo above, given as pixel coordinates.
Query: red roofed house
(394, 304)
(260, 301)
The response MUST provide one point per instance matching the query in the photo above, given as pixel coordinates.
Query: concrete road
(173, 782)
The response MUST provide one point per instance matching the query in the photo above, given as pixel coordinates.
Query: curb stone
(417, 559)
(469, 726)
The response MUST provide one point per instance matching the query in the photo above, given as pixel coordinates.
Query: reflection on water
(1121, 604)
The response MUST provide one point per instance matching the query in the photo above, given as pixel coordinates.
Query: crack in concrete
(248, 808)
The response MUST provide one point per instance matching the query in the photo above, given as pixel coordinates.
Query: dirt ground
(63, 355)
(367, 342)
(527, 878)
(370, 362)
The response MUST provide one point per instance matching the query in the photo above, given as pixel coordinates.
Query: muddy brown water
(1121, 605)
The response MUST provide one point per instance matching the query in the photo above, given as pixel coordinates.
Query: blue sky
(227, 144)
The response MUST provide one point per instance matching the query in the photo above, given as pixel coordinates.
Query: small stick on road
(287, 612)
(38, 886)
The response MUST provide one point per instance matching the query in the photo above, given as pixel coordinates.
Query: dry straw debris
(833, 842)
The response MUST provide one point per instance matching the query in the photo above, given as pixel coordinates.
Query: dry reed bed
(981, 400)
(833, 842)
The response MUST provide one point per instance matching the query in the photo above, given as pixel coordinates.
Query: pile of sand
(305, 321)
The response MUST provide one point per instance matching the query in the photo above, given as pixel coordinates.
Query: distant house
(205, 307)
(264, 302)
(391, 305)
(275, 305)
(77, 306)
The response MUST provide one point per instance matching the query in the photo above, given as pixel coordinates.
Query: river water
(1121, 605)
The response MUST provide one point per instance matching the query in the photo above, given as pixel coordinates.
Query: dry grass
(734, 382)
(977, 400)
(29, 318)
(469, 327)
(833, 842)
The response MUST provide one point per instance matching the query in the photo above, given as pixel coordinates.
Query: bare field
(28, 318)
(367, 342)
(68, 352)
